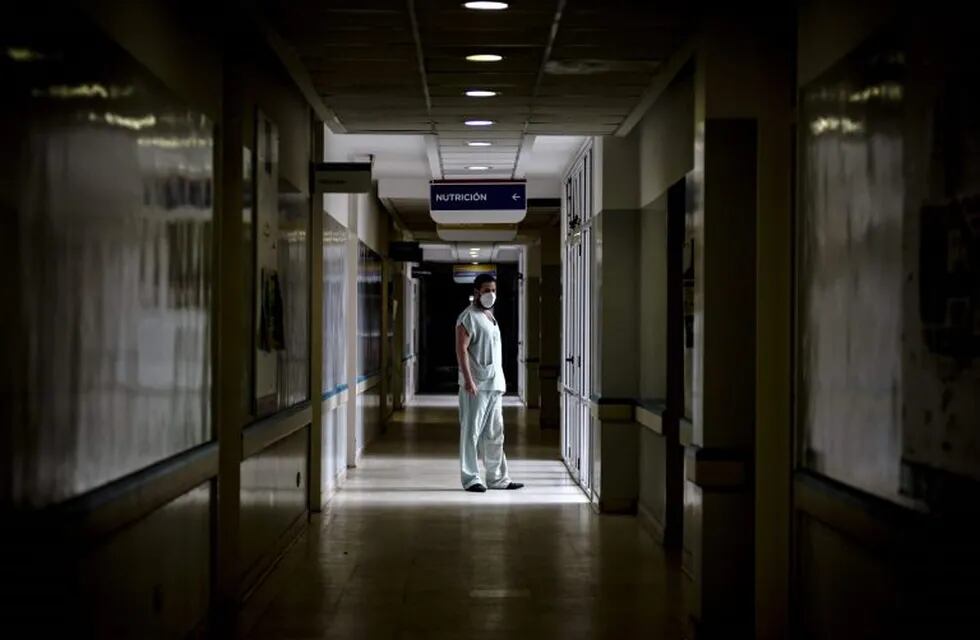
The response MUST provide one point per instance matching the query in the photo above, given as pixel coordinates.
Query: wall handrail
(94, 515)
(260, 435)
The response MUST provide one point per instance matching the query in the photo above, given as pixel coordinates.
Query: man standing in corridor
(481, 390)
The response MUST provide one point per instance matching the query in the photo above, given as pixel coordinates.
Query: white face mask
(487, 299)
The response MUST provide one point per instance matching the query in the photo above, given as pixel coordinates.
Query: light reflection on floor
(402, 552)
(395, 473)
(452, 401)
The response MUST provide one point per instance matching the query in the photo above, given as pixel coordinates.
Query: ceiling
(392, 156)
(470, 252)
(569, 68)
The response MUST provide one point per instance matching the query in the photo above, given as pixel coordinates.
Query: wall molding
(335, 400)
(871, 521)
(650, 414)
(612, 412)
(367, 382)
(650, 419)
(717, 468)
(260, 435)
(97, 514)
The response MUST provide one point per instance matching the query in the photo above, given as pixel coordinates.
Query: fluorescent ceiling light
(478, 123)
(478, 167)
(472, 249)
(478, 144)
(484, 57)
(486, 6)
(481, 93)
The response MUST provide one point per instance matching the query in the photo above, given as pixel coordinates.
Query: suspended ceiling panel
(569, 68)
(478, 233)
(471, 252)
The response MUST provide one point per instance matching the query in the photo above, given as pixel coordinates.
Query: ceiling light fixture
(478, 123)
(484, 57)
(478, 143)
(481, 93)
(478, 167)
(486, 6)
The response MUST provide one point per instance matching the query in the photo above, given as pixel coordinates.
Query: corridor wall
(369, 347)
(886, 424)
(272, 143)
(665, 137)
(361, 223)
(335, 386)
(714, 140)
(410, 334)
(108, 242)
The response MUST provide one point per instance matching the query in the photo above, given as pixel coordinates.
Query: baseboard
(256, 575)
(650, 523)
(616, 507)
(338, 484)
(264, 583)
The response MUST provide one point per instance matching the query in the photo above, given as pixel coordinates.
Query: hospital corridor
(471, 319)
(402, 552)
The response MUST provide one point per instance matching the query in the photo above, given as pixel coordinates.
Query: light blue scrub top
(486, 359)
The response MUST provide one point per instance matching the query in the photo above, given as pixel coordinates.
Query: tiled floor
(403, 552)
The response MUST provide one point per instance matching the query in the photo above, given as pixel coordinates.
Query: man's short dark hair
(482, 279)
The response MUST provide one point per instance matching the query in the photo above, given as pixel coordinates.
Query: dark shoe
(477, 488)
(514, 485)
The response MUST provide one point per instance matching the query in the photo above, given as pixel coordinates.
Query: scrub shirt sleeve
(466, 320)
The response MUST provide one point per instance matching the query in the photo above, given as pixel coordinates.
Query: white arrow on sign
(516, 197)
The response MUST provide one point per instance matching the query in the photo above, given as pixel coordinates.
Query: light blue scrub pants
(481, 427)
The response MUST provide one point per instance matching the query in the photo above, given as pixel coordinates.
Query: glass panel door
(576, 428)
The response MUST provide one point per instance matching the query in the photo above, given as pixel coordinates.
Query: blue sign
(478, 202)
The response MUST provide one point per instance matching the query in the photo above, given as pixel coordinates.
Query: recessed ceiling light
(484, 57)
(481, 93)
(478, 123)
(486, 6)
(474, 249)
(478, 143)
(478, 167)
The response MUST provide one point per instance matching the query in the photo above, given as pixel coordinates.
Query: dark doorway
(440, 302)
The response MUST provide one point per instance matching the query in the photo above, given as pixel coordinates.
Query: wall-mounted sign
(405, 251)
(502, 202)
(340, 177)
(467, 273)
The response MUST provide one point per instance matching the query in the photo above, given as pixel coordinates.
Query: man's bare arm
(462, 357)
